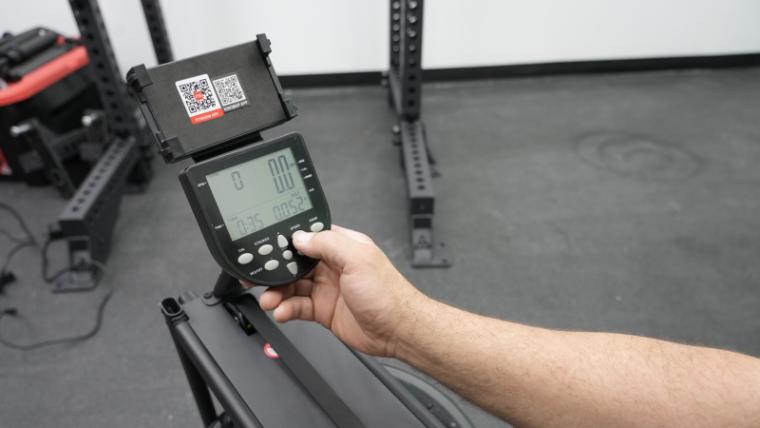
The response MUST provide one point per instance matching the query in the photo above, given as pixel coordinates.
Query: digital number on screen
(259, 193)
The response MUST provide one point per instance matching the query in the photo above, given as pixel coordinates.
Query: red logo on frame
(270, 352)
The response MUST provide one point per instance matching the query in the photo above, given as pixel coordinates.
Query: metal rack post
(154, 17)
(118, 106)
(405, 94)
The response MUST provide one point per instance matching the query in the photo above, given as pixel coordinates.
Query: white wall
(351, 35)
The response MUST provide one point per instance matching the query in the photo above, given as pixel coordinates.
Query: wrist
(415, 324)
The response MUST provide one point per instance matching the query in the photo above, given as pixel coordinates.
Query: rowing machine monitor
(247, 198)
(248, 202)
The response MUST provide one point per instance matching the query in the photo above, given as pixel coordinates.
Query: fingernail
(277, 314)
(301, 237)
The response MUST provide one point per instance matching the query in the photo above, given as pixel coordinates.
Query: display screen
(259, 193)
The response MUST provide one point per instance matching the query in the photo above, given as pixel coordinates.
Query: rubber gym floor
(616, 202)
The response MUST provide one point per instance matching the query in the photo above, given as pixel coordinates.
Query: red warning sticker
(199, 98)
(270, 352)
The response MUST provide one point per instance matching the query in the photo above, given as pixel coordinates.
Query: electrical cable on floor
(6, 276)
(29, 241)
(20, 220)
(11, 237)
(18, 247)
(44, 265)
(63, 340)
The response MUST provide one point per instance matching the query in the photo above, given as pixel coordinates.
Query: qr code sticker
(229, 89)
(198, 97)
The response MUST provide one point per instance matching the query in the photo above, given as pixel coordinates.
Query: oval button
(317, 226)
(245, 258)
(271, 265)
(265, 249)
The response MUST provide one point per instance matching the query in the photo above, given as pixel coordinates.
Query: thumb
(329, 246)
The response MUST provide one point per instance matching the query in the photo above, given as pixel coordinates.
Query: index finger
(355, 235)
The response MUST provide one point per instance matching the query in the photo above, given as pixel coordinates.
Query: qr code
(229, 90)
(197, 94)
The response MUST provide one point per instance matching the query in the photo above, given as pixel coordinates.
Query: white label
(199, 98)
(230, 92)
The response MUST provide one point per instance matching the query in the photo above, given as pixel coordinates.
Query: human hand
(355, 291)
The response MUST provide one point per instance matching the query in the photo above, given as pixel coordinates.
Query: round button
(271, 265)
(287, 254)
(245, 258)
(265, 249)
(317, 226)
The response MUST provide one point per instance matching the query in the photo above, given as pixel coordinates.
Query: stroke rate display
(259, 193)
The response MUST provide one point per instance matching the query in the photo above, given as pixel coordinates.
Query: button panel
(287, 260)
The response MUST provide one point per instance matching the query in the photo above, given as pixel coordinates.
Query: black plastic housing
(218, 240)
(170, 123)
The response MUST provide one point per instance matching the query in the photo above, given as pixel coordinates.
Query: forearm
(534, 376)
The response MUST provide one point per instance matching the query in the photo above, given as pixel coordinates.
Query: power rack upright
(404, 82)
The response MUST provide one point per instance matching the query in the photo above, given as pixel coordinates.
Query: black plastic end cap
(169, 148)
(172, 309)
(264, 44)
(291, 108)
(137, 79)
